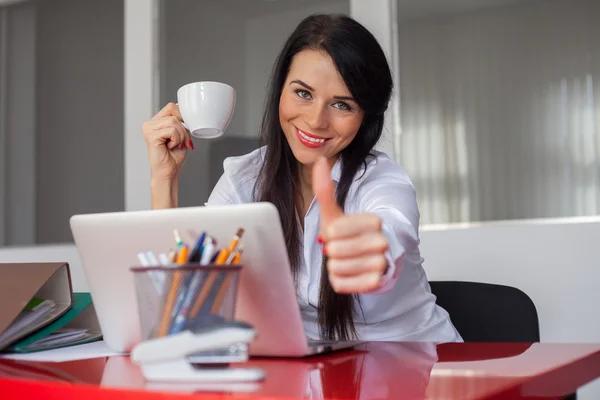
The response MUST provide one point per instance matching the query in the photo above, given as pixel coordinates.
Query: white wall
(49, 253)
(556, 262)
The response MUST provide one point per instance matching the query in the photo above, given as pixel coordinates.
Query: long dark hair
(364, 68)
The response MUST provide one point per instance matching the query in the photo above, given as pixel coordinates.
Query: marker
(182, 255)
(177, 238)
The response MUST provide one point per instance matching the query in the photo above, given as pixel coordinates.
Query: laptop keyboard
(313, 342)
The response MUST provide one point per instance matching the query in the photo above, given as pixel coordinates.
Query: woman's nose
(317, 118)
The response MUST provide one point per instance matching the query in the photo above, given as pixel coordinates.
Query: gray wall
(203, 40)
(17, 127)
(80, 166)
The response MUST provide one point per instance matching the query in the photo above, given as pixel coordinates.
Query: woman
(354, 251)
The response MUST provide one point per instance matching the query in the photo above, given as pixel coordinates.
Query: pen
(143, 259)
(195, 282)
(196, 252)
(182, 258)
(164, 259)
(155, 276)
(151, 258)
(208, 251)
(212, 275)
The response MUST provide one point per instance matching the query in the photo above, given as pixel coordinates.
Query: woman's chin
(306, 156)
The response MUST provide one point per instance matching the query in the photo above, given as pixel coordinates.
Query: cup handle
(183, 123)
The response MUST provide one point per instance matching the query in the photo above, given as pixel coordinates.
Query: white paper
(81, 352)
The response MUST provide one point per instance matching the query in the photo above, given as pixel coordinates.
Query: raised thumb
(324, 189)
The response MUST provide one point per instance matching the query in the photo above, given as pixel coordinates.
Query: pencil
(210, 280)
(173, 293)
(225, 286)
(171, 297)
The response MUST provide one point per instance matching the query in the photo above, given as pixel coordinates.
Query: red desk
(372, 371)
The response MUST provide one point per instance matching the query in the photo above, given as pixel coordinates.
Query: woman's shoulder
(383, 183)
(246, 163)
(245, 167)
(381, 168)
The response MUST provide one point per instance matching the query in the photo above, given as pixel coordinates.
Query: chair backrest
(483, 312)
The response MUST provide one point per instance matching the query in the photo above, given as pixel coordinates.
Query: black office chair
(484, 312)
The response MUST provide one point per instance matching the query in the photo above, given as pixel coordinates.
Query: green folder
(80, 317)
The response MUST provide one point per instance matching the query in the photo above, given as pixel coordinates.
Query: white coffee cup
(206, 108)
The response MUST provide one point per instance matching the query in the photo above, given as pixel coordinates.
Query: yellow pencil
(172, 296)
(225, 286)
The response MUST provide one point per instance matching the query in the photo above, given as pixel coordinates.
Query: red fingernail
(320, 239)
(191, 145)
(324, 250)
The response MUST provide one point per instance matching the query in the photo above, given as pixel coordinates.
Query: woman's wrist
(164, 192)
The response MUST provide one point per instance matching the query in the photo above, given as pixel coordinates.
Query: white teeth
(313, 140)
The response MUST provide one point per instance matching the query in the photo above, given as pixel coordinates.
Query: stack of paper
(37, 313)
(78, 325)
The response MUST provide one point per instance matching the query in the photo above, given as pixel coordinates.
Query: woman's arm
(396, 208)
(388, 193)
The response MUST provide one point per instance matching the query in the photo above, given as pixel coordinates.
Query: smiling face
(317, 113)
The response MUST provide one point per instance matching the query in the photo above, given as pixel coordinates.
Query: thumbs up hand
(354, 244)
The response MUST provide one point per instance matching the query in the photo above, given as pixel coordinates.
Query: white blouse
(402, 308)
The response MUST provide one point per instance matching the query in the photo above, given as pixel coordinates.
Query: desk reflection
(374, 370)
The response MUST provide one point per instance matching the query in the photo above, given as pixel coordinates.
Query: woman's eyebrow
(299, 82)
(307, 86)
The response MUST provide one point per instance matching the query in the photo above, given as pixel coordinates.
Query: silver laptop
(108, 244)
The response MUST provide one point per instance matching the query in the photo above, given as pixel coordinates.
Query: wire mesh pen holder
(172, 299)
(188, 332)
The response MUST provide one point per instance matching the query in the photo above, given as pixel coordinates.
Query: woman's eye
(340, 105)
(303, 94)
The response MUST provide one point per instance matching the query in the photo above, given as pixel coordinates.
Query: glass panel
(500, 108)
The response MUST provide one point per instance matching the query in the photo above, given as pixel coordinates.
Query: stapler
(199, 354)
